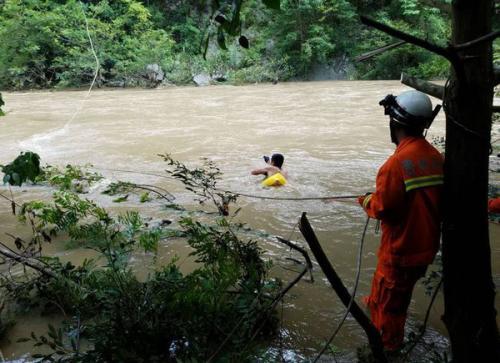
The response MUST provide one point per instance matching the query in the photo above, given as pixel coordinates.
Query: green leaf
(145, 197)
(272, 4)
(121, 199)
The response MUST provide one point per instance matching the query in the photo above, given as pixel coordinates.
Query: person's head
(277, 160)
(410, 114)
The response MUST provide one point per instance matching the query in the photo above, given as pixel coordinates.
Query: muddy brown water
(334, 137)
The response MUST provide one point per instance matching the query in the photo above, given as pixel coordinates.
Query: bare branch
(34, 264)
(449, 52)
(301, 251)
(368, 55)
(372, 333)
(407, 37)
(431, 89)
(472, 43)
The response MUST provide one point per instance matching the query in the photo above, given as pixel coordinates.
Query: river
(334, 136)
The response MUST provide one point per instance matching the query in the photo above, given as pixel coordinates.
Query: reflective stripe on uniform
(367, 200)
(423, 181)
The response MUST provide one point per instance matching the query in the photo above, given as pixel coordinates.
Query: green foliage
(167, 317)
(45, 44)
(71, 177)
(202, 181)
(145, 197)
(25, 167)
(412, 17)
(125, 188)
(64, 214)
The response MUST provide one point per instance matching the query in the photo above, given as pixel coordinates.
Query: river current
(334, 137)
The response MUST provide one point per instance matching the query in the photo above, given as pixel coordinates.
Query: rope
(333, 197)
(96, 73)
(254, 196)
(97, 64)
(358, 274)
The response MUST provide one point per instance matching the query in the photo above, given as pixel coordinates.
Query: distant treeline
(43, 43)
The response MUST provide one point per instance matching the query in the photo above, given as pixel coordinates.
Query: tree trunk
(469, 292)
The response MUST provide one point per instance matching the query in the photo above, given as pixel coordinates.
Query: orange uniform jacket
(407, 201)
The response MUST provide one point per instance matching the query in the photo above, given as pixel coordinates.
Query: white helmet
(411, 109)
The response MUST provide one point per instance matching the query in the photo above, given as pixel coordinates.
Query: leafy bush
(45, 44)
(222, 309)
(69, 178)
(169, 316)
(25, 167)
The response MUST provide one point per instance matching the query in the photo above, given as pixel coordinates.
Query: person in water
(274, 166)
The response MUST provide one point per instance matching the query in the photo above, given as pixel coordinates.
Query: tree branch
(407, 37)
(495, 109)
(477, 41)
(496, 73)
(373, 53)
(431, 89)
(372, 333)
(449, 52)
(301, 251)
(34, 264)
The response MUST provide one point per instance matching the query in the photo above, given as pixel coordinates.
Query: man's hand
(361, 200)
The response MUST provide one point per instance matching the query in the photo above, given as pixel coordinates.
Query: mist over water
(334, 137)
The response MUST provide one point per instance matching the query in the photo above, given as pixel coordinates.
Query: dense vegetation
(222, 310)
(45, 43)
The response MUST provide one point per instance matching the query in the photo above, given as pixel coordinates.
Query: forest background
(44, 43)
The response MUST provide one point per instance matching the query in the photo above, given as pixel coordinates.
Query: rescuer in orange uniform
(407, 201)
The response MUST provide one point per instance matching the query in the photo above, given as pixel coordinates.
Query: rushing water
(334, 137)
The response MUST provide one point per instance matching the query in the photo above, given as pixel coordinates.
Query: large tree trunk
(469, 292)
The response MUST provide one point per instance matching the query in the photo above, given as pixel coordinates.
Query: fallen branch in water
(374, 338)
(301, 251)
(30, 262)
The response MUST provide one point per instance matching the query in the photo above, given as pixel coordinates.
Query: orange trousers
(389, 300)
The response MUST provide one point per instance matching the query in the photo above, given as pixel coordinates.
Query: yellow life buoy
(274, 180)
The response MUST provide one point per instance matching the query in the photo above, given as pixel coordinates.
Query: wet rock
(160, 223)
(118, 84)
(202, 79)
(154, 73)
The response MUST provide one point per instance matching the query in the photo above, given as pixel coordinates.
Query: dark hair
(277, 160)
